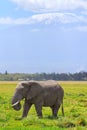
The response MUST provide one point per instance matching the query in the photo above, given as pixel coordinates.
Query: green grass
(75, 106)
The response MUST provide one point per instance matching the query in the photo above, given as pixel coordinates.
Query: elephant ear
(34, 90)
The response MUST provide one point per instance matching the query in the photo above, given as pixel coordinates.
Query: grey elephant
(39, 93)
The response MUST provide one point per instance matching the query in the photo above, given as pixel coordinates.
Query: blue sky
(43, 36)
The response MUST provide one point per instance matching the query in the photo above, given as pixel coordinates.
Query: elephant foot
(23, 116)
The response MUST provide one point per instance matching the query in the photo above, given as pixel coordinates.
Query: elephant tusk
(15, 104)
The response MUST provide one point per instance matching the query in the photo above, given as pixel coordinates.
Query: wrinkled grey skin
(39, 93)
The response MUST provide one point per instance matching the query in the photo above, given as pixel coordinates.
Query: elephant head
(26, 90)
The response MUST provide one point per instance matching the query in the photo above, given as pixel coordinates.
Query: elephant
(40, 93)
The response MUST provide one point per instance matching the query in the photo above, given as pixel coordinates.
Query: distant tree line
(80, 76)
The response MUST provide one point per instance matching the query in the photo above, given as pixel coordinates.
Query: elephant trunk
(16, 103)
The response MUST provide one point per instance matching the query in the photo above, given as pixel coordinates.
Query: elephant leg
(26, 108)
(38, 108)
(55, 109)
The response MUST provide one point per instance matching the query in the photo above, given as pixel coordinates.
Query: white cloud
(46, 18)
(51, 5)
(82, 28)
(8, 20)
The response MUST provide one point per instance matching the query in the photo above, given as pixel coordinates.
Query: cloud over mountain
(51, 12)
(51, 5)
(46, 18)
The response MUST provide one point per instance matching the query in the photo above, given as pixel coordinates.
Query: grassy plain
(75, 106)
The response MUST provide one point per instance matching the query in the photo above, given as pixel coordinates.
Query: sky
(43, 36)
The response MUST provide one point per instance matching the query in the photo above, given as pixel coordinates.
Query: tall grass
(75, 106)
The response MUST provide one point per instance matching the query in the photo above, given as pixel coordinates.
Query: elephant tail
(62, 108)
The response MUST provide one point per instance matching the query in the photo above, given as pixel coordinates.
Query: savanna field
(75, 107)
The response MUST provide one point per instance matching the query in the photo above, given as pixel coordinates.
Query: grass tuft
(81, 121)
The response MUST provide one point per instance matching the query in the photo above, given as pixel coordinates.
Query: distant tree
(44, 76)
(6, 72)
